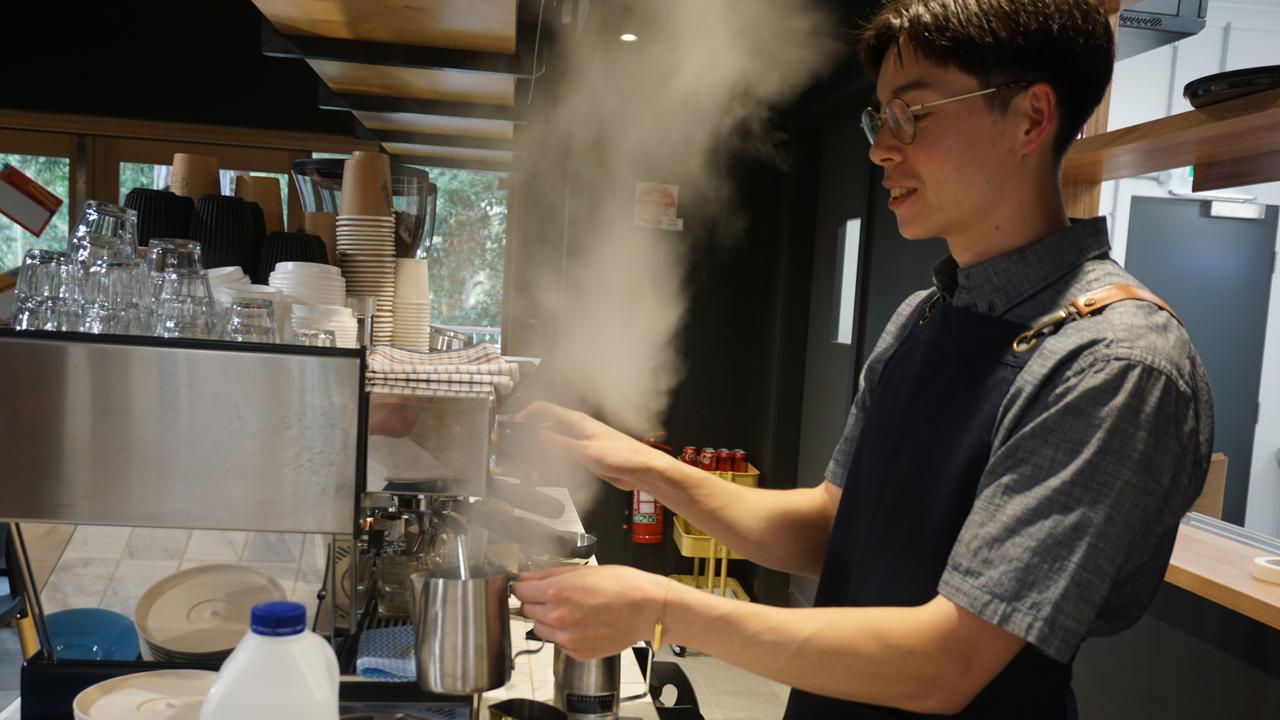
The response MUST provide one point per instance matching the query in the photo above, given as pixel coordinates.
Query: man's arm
(785, 530)
(934, 658)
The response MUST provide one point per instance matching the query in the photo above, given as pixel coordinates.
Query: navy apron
(912, 481)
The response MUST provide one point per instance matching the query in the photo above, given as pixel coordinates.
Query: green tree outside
(469, 249)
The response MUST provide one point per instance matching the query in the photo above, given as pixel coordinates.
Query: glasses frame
(873, 121)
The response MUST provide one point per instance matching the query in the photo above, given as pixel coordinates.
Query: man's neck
(1021, 220)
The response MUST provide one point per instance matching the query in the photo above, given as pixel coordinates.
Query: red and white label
(656, 205)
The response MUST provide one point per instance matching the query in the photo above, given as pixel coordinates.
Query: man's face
(948, 181)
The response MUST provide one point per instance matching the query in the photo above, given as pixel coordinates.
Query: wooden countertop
(1220, 569)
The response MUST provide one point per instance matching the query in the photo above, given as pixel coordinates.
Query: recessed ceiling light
(628, 37)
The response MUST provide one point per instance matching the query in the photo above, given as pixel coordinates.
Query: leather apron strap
(1085, 305)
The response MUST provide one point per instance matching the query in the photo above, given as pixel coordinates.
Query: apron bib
(911, 484)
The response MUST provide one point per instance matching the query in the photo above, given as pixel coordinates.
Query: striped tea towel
(472, 371)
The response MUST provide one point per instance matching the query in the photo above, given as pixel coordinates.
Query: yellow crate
(750, 478)
(691, 541)
(729, 588)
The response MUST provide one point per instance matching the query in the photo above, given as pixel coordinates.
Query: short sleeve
(1073, 522)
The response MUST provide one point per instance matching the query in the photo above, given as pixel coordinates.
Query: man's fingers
(545, 573)
(551, 635)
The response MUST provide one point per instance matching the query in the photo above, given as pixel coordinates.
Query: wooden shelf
(1229, 131)
(1220, 570)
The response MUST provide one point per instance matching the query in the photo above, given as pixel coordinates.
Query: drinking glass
(105, 231)
(117, 298)
(251, 320)
(164, 254)
(47, 295)
(185, 306)
(314, 338)
(395, 593)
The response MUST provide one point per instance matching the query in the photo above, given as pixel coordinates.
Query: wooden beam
(1084, 198)
(1229, 130)
(430, 162)
(303, 47)
(409, 122)
(497, 157)
(414, 83)
(181, 132)
(330, 100)
(481, 25)
(1250, 170)
(439, 140)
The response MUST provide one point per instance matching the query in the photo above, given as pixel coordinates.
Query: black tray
(1213, 89)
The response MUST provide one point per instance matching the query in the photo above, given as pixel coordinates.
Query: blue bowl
(92, 634)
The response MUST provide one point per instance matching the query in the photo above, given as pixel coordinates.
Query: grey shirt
(1099, 447)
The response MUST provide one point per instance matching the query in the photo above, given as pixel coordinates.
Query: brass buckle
(1028, 339)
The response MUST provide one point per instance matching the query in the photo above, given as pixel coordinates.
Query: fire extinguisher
(646, 511)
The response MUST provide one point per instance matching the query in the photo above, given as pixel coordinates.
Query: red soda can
(707, 459)
(724, 460)
(646, 518)
(740, 461)
(689, 455)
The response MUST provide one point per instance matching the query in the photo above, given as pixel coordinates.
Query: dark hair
(1068, 44)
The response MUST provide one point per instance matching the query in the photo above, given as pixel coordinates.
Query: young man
(1005, 487)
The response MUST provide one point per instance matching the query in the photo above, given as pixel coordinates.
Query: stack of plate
(159, 695)
(412, 308)
(337, 318)
(367, 256)
(198, 615)
(310, 283)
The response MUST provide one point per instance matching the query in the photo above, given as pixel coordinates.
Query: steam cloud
(696, 87)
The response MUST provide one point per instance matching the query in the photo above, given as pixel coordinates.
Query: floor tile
(157, 544)
(215, 545)
(10, 661)
(97, 541)
(273, 547)
(45, 544)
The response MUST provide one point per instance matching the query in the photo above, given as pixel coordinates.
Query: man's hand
(588, 611)
(579, 439)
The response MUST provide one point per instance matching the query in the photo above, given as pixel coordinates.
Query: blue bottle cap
(278, 618)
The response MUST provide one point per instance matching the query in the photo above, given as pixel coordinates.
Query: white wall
(1149, 86)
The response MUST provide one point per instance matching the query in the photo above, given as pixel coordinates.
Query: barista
(988, 508)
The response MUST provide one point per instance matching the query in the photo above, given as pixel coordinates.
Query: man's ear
(1037, 109)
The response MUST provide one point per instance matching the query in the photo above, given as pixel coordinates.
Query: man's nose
(886, 150)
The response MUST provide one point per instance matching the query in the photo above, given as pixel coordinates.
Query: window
(848, 251)
(54, 173)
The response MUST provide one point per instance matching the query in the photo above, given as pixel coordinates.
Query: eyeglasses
(901, 117)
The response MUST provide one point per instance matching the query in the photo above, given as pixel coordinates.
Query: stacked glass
(104, 283)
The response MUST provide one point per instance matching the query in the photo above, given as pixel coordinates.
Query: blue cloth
(386, 654)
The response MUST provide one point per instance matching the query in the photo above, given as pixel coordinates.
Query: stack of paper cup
(327, 317)
(366, 236)
(412, 308)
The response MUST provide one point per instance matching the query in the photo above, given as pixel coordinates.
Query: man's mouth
(897, 192)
